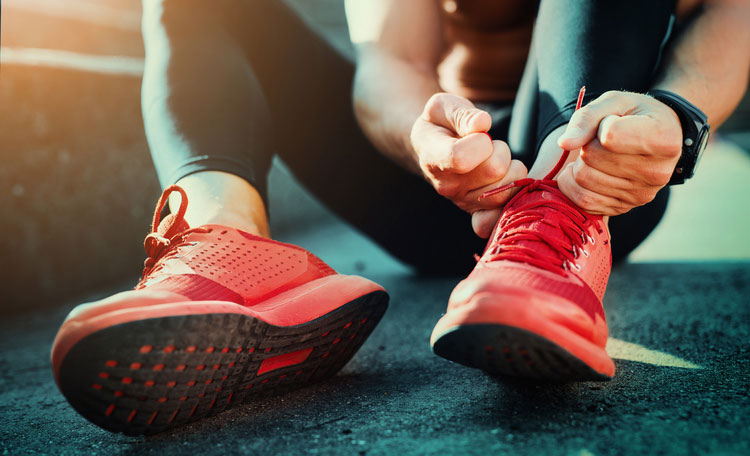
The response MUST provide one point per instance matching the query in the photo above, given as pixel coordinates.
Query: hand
(461, 161)
(630, 144)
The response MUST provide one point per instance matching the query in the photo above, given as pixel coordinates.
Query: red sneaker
(532, 307)
(219, 318)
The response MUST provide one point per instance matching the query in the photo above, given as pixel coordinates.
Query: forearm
(389, 95)
(710, 61)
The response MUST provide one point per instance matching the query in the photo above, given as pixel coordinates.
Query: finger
(516, 171)
(591, 202)
(633, 167)
(640, 134)
(623, 190)
(457, 114)
(592, 179)
(484, 221)
(443, 152)
(584, 123)
(493, 169)
(469, 153)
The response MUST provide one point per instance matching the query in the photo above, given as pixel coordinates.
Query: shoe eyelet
(585, 253)
(591, 240)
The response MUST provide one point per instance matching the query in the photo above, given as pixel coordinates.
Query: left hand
(630, 144)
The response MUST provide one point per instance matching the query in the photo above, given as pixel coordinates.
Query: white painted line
(106, 64)
(628, 351)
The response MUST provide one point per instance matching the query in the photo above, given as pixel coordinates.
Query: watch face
(702, 142)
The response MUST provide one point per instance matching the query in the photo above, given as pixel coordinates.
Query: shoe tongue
(171, 225)
(539, 194)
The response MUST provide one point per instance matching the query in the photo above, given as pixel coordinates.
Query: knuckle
(502, 148)
(622, 208)
(582, 177)
(646, 196)
(589, 156)
(658, 176)
(463, 205)
(586, 201)
(662, 177)
(610, 94)
(583, 116)
(446, 188)
(497, 168)
(672, 145)
(609, 136)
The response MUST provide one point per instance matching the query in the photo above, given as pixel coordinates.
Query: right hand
(460, 160)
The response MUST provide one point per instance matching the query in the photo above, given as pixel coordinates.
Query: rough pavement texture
(396, 397)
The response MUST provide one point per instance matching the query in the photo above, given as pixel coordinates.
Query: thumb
(457, 114)
(470, 120)
(581, 130)
(584, 123)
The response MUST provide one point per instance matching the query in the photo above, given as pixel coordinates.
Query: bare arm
(399, 105)
(709, 64)
(398, 46)
(631, 142)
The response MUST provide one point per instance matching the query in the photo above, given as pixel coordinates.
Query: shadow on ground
(396, 397)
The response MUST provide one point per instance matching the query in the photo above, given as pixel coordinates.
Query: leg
(215, 305)
(198, 121)
(580, 43)
(253, 96)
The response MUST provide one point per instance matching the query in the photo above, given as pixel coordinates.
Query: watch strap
(694, 130)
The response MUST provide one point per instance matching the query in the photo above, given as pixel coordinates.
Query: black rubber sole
(502, 350)
(148, 376)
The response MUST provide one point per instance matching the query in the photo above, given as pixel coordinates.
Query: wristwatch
(695, 131)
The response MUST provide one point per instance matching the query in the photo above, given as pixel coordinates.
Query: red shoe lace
(158, 244)
(514, 222)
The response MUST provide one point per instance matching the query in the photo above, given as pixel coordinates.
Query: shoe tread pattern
(200, 365)
(502, 350)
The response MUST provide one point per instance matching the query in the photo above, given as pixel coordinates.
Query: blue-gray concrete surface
(679, 336)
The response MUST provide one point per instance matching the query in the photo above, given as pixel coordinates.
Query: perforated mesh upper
(250, 266)
(599, 275)
(246, 266)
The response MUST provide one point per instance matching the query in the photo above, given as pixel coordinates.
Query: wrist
(695, 131)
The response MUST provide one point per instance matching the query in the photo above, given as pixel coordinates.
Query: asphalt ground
(679, 337)
(679, 317)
